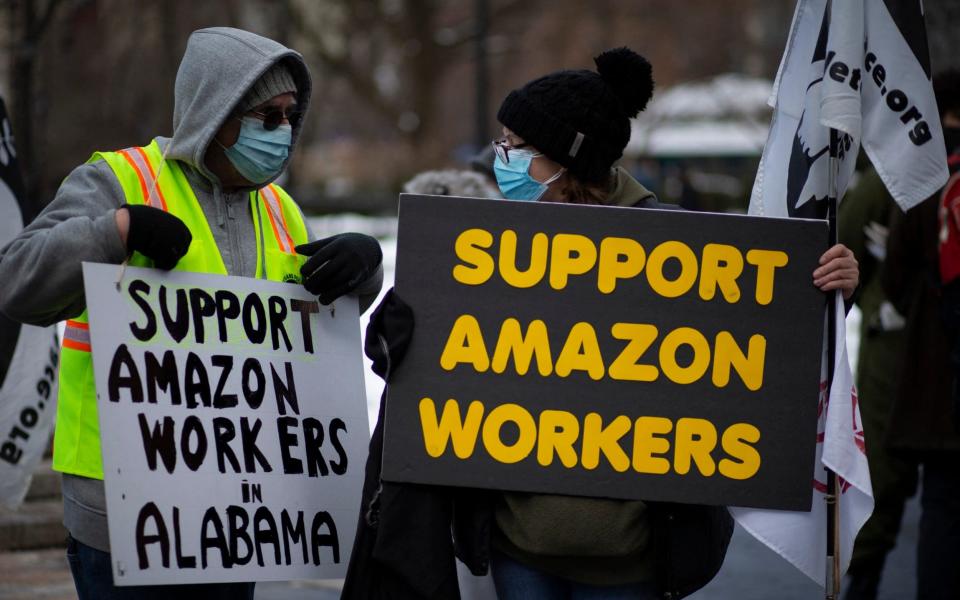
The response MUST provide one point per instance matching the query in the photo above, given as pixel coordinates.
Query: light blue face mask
(259, 154)
(514, 178)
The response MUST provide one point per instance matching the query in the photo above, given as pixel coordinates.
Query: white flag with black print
(801, 537)
(28, 355)
(863, 68)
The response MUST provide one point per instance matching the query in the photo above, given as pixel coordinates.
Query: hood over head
(219, 66)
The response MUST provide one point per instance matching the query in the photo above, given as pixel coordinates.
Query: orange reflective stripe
(76, 345)
(277, 220)
(76, 335)
(145, 173)
(283, 217)
(153, 177)
(136, 169)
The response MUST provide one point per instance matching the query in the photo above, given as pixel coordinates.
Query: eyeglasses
(274, 117)
(502, 149)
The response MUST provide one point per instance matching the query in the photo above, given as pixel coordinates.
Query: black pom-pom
(629, 75)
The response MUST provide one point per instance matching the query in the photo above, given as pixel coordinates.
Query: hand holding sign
(838, 271)
(157, 234)
(338, 264)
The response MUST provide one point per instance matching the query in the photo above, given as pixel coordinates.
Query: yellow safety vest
(279, 228)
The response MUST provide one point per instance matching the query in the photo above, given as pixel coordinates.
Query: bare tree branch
(362, 84)
(44, 21)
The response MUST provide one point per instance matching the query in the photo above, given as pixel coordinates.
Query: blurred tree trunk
(30, 20)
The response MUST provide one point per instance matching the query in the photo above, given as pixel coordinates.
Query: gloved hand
(388, 334)
(338, 264)
(157, 234)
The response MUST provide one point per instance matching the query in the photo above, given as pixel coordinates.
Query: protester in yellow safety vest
(203, 201)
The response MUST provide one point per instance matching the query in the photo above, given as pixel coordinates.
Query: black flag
(14, 214)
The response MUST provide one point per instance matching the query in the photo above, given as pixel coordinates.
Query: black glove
(388, 334)
(338, 264)
(157, 234)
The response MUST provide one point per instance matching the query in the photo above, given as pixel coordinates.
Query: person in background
(921, 279)
(862, 220)
(562, 135)
(202, 201)
(451, 182)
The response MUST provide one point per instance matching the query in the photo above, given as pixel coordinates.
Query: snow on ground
(385, 230)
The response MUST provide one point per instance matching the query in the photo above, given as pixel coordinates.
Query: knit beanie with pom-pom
(581, 119)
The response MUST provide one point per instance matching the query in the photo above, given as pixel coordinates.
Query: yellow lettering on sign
(559, 431)
(492, 441)
(767, 262)
(720, 266)
(736, 443)
(523, 348)
(581, 352)
(640, 337)
(695, 439)
(688, 269)
(646, 445)
(470, 249)
(465, 345)
(597, 439)
(611, 268)
(668, 355)
(572, 254)
(508, 260)
(450, 427)
(727, 354)
(555, 434)
(617, 259)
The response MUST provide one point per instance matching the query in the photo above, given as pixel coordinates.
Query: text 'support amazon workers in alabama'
(233, 426)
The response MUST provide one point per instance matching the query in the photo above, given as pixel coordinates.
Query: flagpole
(832, 581)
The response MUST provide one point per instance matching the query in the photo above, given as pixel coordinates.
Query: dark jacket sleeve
(403, 548)
(904, 269)
(692, 542)
(41, 268)
(869, 202)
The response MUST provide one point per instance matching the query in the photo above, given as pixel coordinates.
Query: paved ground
(751, 572)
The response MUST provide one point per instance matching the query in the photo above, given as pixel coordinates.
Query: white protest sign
(233, 426)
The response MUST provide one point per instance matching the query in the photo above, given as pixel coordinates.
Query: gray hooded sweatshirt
(41, 268)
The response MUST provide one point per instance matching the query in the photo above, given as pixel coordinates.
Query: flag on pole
(28, 355)
(860, 67)
(801, 537)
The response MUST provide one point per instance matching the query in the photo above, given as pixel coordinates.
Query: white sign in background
(249, 465)
(28, 392)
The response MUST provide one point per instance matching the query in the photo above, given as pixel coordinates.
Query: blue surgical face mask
(259, 154)
(514, 178)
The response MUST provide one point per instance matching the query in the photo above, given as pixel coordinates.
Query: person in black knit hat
(579, 119)
(578, 122)
(562, 134)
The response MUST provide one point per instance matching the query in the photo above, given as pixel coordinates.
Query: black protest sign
(613, 352)
(234, 426)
